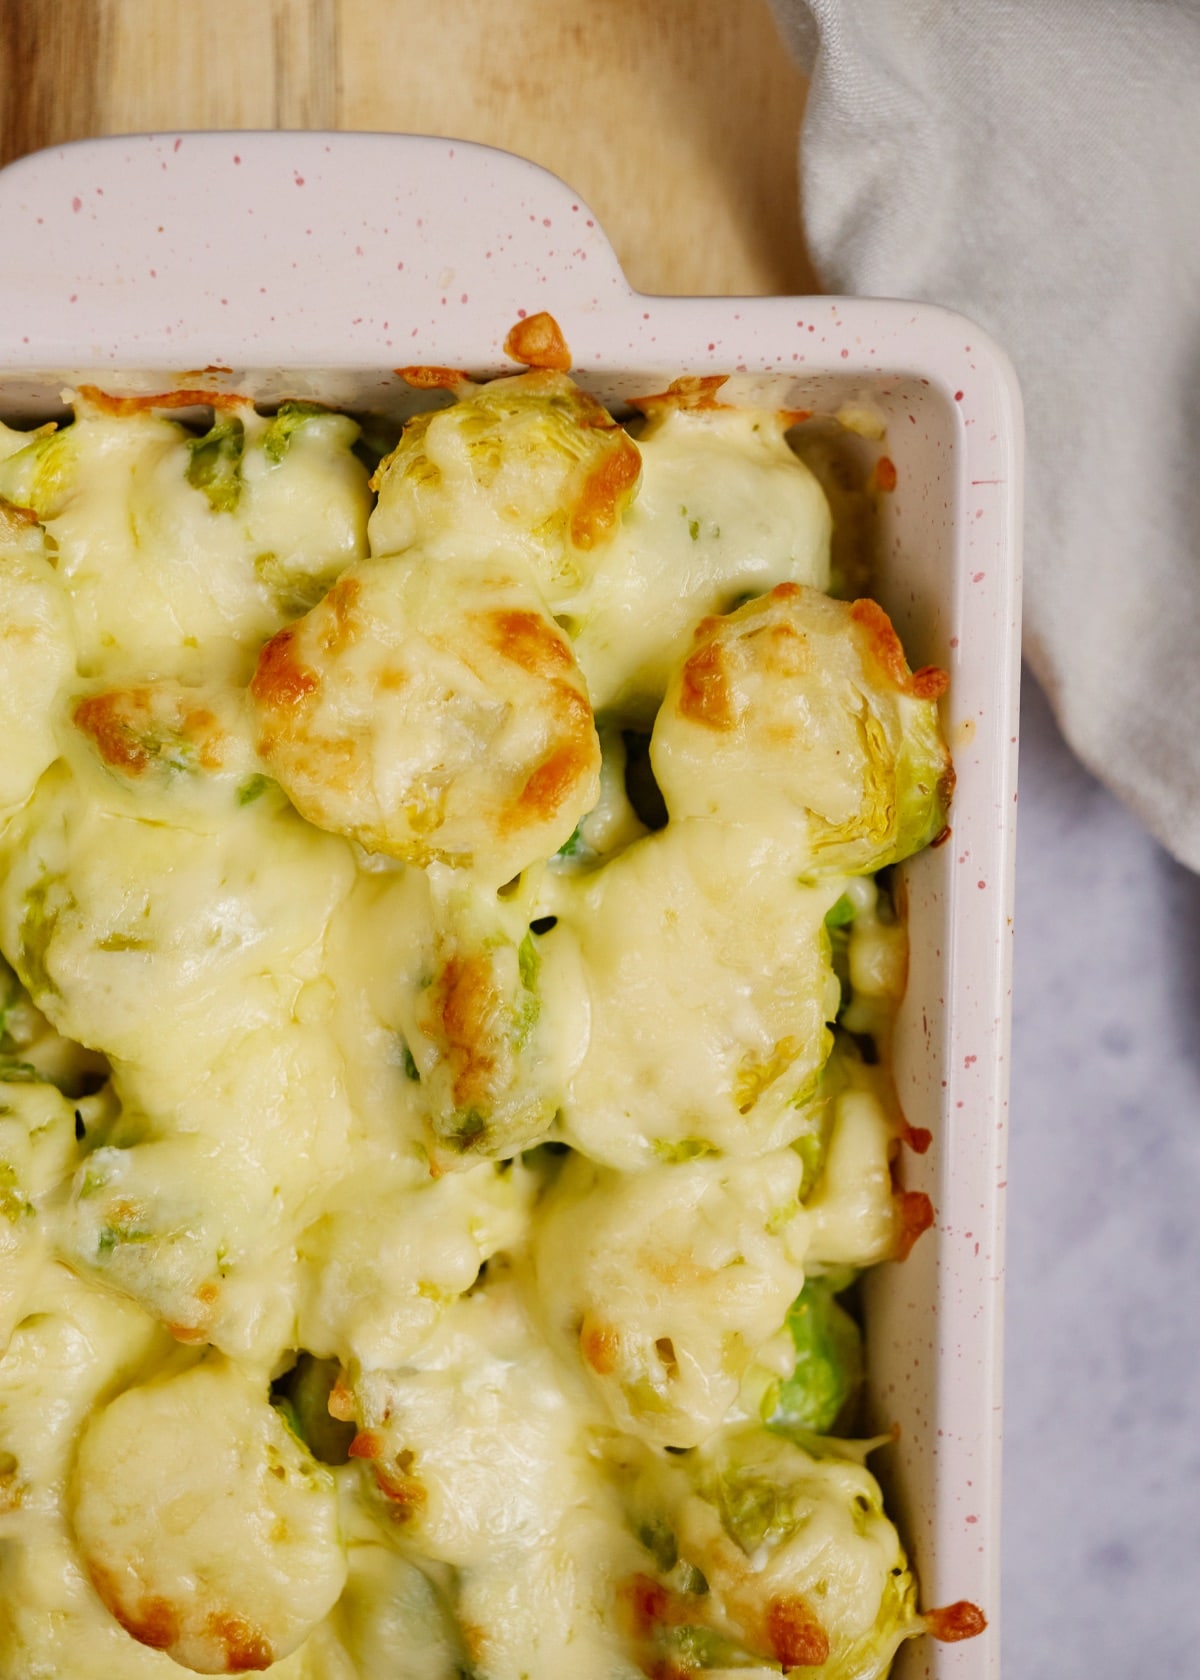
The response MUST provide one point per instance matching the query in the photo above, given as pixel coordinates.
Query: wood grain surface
(678, 120)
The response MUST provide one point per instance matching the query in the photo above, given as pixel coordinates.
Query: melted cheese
(429, 708)
(111, 920)
(529, 465)
(318, 866)
(724, 510)
(802, 709)
(664, 1284)
(710, 990)
(206, 1528)
(36, 654)
(164, 577)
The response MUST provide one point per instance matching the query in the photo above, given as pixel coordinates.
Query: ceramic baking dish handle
(338, 254)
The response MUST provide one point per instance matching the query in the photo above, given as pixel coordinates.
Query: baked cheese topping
(443, 1046)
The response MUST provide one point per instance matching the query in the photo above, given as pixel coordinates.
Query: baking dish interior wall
(918, 566)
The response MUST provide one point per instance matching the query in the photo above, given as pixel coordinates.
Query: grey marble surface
(1102, 1443)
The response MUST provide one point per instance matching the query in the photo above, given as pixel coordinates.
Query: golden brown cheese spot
(426, 377)
(469, 1006)
(538, 342)
(123, 406)
(106, 718)
(787, 651)
(915, 1215)
(404, 1491)
(431, 709)
(191, 1335)
(551, 784)
(280, 680)
(918, 1138)
(704, 691)
(961, 1620)
(885, 475)
(151, 1621)
(199, 1330)
(245, 1647)
(341, 1401)
(529, 640)
(647, 1606)
(929, 683)
(605, 492)
(600, 1345)
(794, 1635)
(134, 728)
(689, 391)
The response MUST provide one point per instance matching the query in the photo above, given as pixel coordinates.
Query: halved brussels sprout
(799, 714)
(394, 1248)
(821, 1394)
(165, 751)
(110, 920)
(488, 1085)
(724, 511)
(432, 710)
(711, 993)
(180, 553)
(531, 464)
(208, 1530)
(669, 1281)
(796, 1563)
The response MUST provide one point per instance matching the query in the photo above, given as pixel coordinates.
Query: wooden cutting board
(677, 120)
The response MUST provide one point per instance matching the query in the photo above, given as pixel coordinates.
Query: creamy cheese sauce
(411, 1145)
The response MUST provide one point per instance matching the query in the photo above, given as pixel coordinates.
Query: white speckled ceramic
(293, 264)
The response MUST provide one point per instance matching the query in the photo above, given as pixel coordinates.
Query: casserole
(310, 266)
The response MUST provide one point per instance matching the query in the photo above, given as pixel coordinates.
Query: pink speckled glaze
(311, 264)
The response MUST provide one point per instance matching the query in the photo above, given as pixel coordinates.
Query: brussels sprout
(822, 1391)
(800, 713)
(393, 1620)
(802, 1567)
(290, 416)
(155, 581)
(215, 464)
(430, 708)
(207, 1528)
(672, 930)
(531, 463)
(486, 1084)
(724, 511)
(37, 475)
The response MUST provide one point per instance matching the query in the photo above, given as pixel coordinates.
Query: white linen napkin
(1037, 166)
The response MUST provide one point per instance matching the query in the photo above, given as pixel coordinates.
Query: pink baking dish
(310, 264)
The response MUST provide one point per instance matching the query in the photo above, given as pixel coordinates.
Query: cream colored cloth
(1037, 166)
